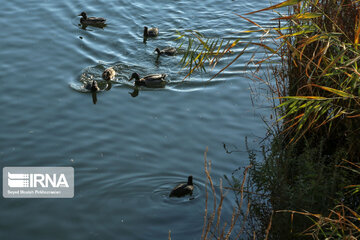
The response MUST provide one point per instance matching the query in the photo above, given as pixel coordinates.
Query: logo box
(38, 182)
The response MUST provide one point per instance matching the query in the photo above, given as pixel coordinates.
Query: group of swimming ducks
(153, 80)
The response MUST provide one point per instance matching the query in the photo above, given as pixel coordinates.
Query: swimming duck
(166, 51)
(183, 189)
(93, 87)
(153, 80)
(109, 74)
(151, 32)
(91, 20)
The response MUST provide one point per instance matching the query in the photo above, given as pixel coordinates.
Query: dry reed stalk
(211, 219)
(269, 226)
(209, 228)
(206, 200)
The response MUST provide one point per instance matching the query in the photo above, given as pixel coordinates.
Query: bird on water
(91, 20)
(183, 189)
(109, 74)
(151, 32)
(170, 51)
(153, 80)
(93, 87)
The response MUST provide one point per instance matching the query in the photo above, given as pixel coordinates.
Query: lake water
(127, 152)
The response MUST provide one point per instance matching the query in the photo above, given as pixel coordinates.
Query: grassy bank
(312, 157)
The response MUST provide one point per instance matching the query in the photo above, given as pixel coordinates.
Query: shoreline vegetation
(305, 184)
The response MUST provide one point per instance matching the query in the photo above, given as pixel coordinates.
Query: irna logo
(38, 182)
(19, 180)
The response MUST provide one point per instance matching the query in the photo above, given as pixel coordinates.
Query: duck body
(109, 74)
(150, 32)
(153, 80)
(183, 189)
(91, 20)
(93, 86)
(170, 51)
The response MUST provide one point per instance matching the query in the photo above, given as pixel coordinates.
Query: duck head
(136, 76)
(157, 50)
(83, 14)
(94, 86)
(190, 180)
(108, 74)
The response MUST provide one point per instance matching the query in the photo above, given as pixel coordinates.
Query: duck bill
(130, 79)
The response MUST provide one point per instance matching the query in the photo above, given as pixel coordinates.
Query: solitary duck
(93, 87)
(183, 189)
(166, 51)
(153, 80)
(150, 32)
(109, 74)
(91, 20)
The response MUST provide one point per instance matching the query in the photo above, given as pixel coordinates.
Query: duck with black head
(152, 81)
(85, 20)
(183, 189)
(170, 51)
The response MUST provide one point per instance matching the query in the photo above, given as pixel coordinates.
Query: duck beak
(80, 14)
(130, 79)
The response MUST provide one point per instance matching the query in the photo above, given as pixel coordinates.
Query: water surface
(128, 152)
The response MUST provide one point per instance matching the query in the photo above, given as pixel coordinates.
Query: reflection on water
(84, 26)
(94, 97)
(109, 86)
(134, 93)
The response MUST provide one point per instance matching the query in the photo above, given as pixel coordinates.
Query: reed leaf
(280, 5)
(335, 91)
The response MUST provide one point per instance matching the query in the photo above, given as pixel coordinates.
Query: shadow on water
(94, 97)
(134, 93)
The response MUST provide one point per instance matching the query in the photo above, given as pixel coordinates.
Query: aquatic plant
(202, 51)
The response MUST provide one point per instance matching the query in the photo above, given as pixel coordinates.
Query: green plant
(342, 222)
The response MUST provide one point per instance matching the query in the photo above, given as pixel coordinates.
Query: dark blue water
(127, 152)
